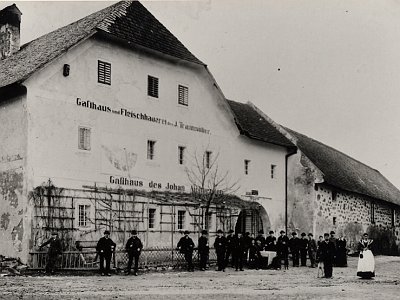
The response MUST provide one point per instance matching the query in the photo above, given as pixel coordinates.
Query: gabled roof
(128, 21)
(251, 124)
(344, 172)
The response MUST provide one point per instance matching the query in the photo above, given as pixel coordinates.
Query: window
(150, 149)
(183, 95)
(181, 219)
(246, 166)
(84, 138)
(104, 72)
(208, 159)
(372, 213)
(83, 215)
(334, 195)
(152, 86)
(393, 217)
(181, 155)
(273, 171)
(334, 220)
(152, 217)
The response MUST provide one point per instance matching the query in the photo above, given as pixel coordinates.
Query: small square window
(183, 95)
(181, 155)
(104, 72)
(152, 217)
(150, 149)
(83, 215)
(246, 166)
(181, 219)
(273, 171)
(84, 138)
(152, 86)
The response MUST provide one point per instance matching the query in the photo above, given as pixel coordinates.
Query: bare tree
(209, 184)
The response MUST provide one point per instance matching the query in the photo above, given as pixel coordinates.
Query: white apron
(366, 264)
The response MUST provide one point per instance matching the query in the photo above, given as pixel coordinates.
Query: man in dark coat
(260, 237)
(312, 250)
(333, 239)
(303, 245)
(134, 247)
(294, 249)
(220, 249)
(186, 246)
(105, 248)
(204, 250)
(55, 249)
(270, 242)
(327, 254)
(282, 246)
(229, 248)
(238, 251)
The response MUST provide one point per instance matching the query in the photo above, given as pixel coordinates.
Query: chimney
(10, 20)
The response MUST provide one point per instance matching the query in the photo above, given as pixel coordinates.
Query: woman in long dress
(366, 262)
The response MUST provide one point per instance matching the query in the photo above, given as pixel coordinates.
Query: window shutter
(104, 72)
(183, 95)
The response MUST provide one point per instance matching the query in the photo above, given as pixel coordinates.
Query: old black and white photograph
(200, 149)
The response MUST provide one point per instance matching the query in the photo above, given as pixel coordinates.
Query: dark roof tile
(253, 125)
(126, 20)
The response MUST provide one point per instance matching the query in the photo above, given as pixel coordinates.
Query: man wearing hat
(333, 239)
(270, 242)
(229, 247)
(294, 249)
(303, 245)
(326, 255)
(134, 247)
(105, 248)
(54, 251)
(282, 246)
(220, 248)
(260, 237)
(204, 249)
(186, 246)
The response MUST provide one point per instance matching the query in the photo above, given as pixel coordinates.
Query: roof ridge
(341, 152)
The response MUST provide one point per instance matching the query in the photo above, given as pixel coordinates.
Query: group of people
(238, 249)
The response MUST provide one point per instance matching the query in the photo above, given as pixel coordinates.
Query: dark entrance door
(249, 220)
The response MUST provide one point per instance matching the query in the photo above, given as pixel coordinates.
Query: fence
(86, 260)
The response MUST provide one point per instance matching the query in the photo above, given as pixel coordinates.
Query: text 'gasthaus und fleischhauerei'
(139, 116)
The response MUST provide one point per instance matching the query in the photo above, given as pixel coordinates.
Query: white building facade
(105, 118)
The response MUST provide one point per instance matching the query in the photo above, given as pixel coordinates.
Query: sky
(328, 69)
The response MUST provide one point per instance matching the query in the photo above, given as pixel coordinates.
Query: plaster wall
(15, 214)
(119, 142)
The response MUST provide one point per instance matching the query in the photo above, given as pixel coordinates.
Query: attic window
(152, 86)
(104, 72)
(183, 95)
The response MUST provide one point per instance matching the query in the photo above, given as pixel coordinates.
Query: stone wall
(318, 208)
(350, 214)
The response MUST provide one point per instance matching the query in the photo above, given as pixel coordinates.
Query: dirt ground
(295, 283)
